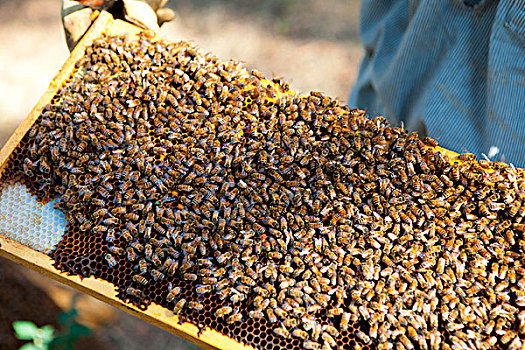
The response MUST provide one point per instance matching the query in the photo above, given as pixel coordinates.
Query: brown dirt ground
(311, 43)
(23, 301)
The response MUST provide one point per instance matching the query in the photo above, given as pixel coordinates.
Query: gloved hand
(77, 16)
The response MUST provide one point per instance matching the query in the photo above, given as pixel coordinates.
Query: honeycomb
(279, 220)
(29, 221)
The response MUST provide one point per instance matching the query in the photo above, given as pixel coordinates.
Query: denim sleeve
(448, 69)
(505, 119)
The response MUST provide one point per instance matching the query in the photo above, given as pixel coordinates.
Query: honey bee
(110, 259)
(177, 309)
(100, 213)
(170, 266)
(140, 279)
(282, 332)
(136, 245)
(311, 345)
(223, 311)
(110, 235)
(203, 289)
(116, 250)
(148, 251)
(299, 333)
(143, 266)
(255, 314)
(156, 274)
(271, 316)
(190, 276)
(345, 321)
(134, 292)
(195, 305)
(327, 338)
(235, 317)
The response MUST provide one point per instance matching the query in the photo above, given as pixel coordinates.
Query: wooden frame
(41, 263)
(105, 291)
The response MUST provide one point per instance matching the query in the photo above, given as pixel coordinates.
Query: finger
(155, 4)
(165, 15)
(140, 13)
(76, 19)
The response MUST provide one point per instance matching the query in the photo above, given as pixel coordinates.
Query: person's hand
(77, 16)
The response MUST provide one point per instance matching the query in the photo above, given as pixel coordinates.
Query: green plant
(47, 338)
(41, 337)
(71, 331)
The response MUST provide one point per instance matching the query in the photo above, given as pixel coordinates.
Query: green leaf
(25, 330)
(31, 346)
(46, 334)
(66, 317)
(57, 343)
(78, 330)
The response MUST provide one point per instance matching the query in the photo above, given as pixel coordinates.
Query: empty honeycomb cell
(29, 222)
(227, 189)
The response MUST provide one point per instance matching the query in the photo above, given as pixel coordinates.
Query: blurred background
(313, 44)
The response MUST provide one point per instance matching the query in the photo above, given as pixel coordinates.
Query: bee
(159, 242)
(299, 333)
(100, 213)
(116, 250)
(148, 251)
(177, 309)
(235, 317)
(156, 274)
(172, 293)
(98, 202)
(131, 216)
(186, 265)
(514, 208)
(195, 305)
(110, 259)
(143, 266)
(99, 229)
(140, 279)
(430, 142)
(256, 314)
(134, 292)
(271, 316)
(170, 266)
(311, 345)
(110, 235)
(131, 228)
(334, 312)
(281, 332)
(136, 245)
(465, 157)
(328, 339)
(190, 276)
(223, 311)
(111, 221)
(237, 296)
(203, 289)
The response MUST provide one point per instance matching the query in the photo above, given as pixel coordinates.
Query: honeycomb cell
(28, 221)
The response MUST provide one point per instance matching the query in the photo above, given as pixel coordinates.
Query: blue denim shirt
(450, 69)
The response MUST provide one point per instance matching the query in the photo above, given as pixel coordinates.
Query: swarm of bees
(291, 209)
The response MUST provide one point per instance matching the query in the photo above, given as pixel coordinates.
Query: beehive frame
(31, 223)
(41, 263)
